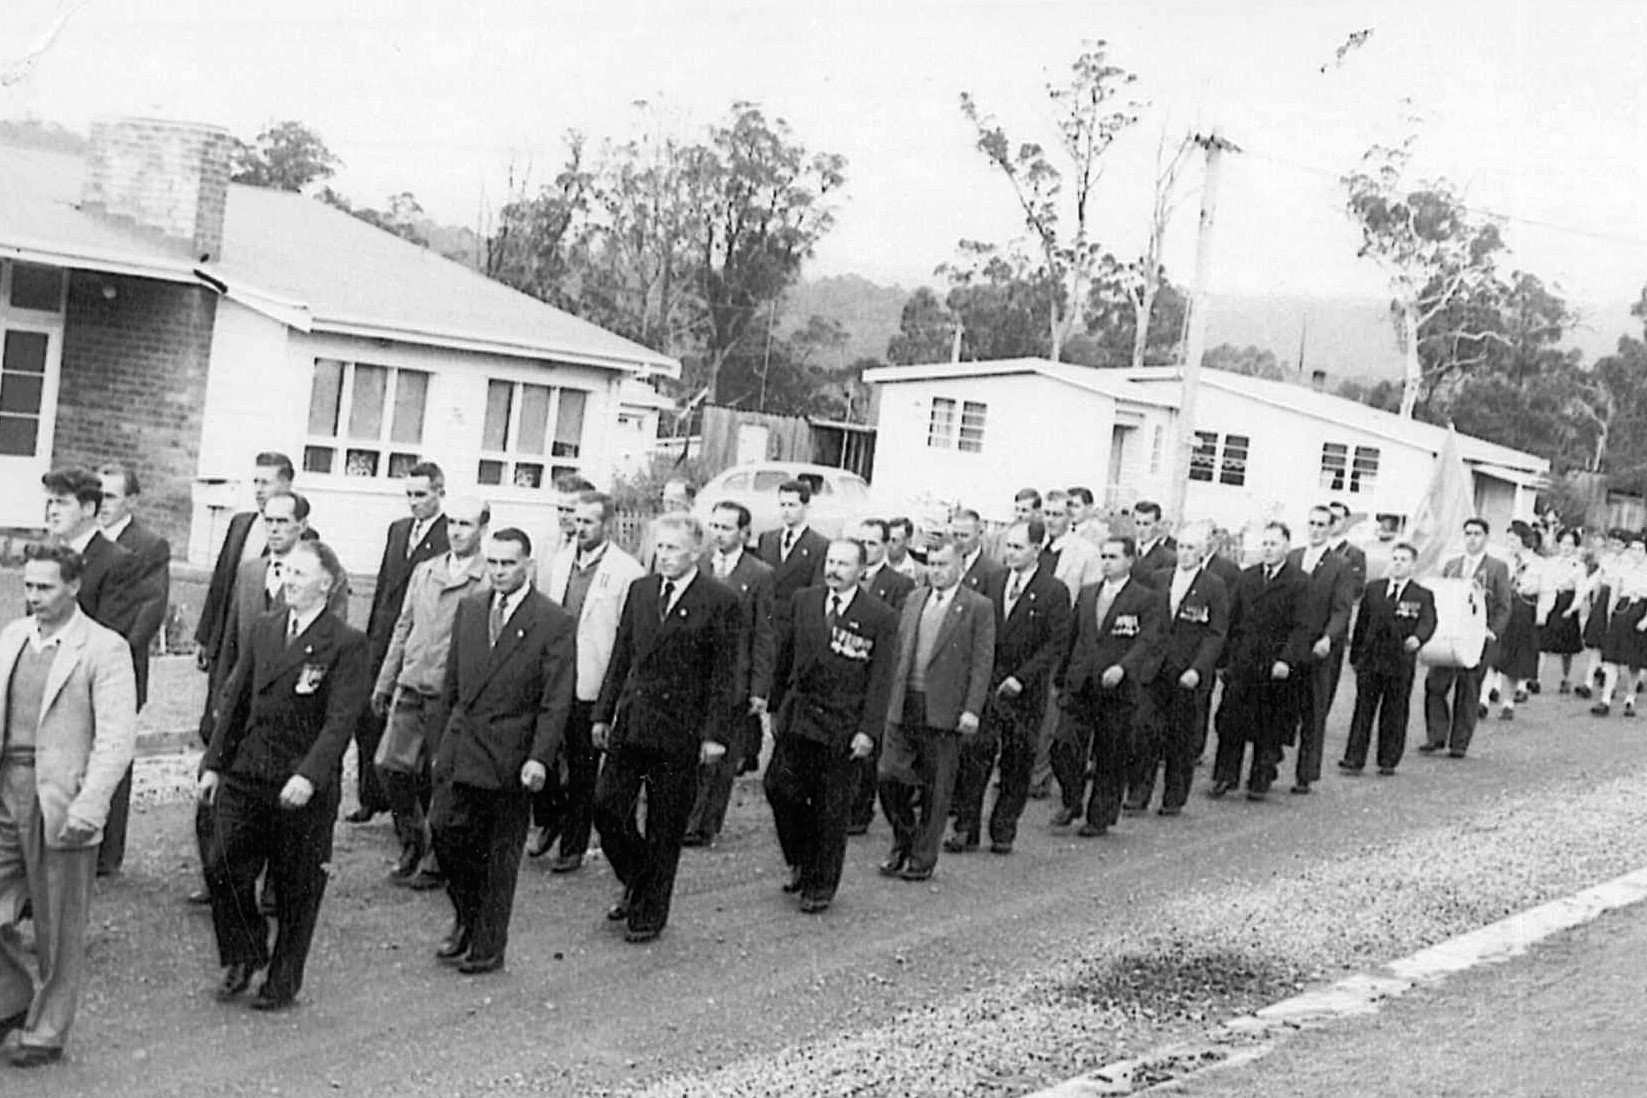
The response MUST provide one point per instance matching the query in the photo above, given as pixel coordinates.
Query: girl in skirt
(1625, 646)
(1597, 599)
(1559, 633)
(1515, 664)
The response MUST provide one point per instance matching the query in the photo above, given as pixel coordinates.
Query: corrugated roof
(343, 273)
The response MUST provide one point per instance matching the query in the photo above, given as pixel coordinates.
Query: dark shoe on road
(637, 935)
(236, 978)
(1220, 788)
(1600, 709)
(566, 863)
(1065, 816)
(1582, 691)
(1348, 767)
(1301, 787)
(814, 905)
(1169, 810)
(410, 855)
(793, 885)
(1000, 848)
(1430, 748)
(267, 999)
(1257, 794)
(1492, 697)
(539, 841)
(33, 1056)
(1455, 754)
(1092, 830)
(959, 844)
(916, 873)
(454, 945)
(361, 815)
(1507, 713)
(619, 911)
(479, 966)
(894, 863)
(1386, 771)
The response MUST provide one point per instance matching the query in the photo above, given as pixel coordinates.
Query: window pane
(569, 423)
(35, 287)
(534, 419)
(1334, 461)
(941, 423)
(769, 479)
(558, 471)
(528, 475)
(1204, 455)
(972, 427)
(318, 459)
(411, 394)
(17, 435)
(361, 463)
(489, 472)
(737, 482)
(401, 464)
(324, 397)
(25, 353)
(1234, 469)
(21, 393)
(366, 403)
(495, 434)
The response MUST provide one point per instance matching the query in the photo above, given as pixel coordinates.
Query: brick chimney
(171, 178)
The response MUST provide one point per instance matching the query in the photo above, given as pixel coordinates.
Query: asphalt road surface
(738, 973)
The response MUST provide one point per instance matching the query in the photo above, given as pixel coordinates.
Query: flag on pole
(1437, 529)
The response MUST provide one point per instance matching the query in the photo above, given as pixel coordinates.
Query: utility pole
(1195, 342)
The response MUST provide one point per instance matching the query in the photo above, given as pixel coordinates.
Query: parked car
(839, 497)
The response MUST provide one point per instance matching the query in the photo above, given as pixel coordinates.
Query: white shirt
(1182, 580)
(790, 538)
(40, 643)
(680, 586)
(970, 559)
(725, 563)
(511, 603)
(843, 599)
(587, 560)
(1022, 580)
(274, 576)
(1471, 565)
(419, 531)
(79, 542)
(114, 529)
(303, 620)
(1312, 556)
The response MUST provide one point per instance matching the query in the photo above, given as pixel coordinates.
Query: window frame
(963, 443)
(49, 324)
(510, 461)
(392, 458)
(1364, 463)
(940, 434)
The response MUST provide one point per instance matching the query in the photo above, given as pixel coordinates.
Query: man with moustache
(838, 653)
(892, 587)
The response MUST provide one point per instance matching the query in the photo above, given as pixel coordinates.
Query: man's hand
(1010, 687)
(1280, 672)
(205, 788)
(77, 832)
(1411, 644)
(1322, 647)
(968, 724)
(1113, 675)
(533, 775)
(710, 753)
(380, 703)
(296, 792)
(1190, 679)
(757, 706)
(202, 662)
(598, 735)
(862, 746)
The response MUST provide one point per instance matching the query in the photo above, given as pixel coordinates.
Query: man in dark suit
(1112, 653)
(663, 713)
(243, 540)
(946, 652)
(838, 654)
(1032, 614)
(978, 571)
(1157, 552)
(1449, 727)
(151, 575)
(1270, 638)
(795, 553)
(751, 581)
(412, 540)
(1197, 617)
(892, 587)
(1397, 617)
(510, 677)
(270, 778)
(1330, 599)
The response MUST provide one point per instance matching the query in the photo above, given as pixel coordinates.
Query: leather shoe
(13, 1021)
(566, 863)
(361, 815)
(1257, 794)
(1301, 787)
(637, 935)
(236, 978)
(33, 1056)
(1455, 754)
(814, 905)
(406, 865)
(694, 838)
(1348, 767)
(1000, 848)
(957, 844)
(894, 863)
(1065, 816)
(479, 966)
(1385, 771)
(619, 911)
(539, 842)
(1220, 788)
(200, 897)
(454, 945)
(1429, 748)
(1092, 830)
(422, 881)
(793, 885)
(916, 873)
(1169, 810)
(1136, 806)
(272, 1000)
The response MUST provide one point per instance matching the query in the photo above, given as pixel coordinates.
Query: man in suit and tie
(663, 714)
(1032, 614)
(1270, 637)
(1084, 520)
(751, 580)
(675, 499)
(1111, 657)
(892, 587)
(1170, 727)
(568, 487)
(1073, 560)
(411, 540)
(1451, 694)
(271, 776)
(1157, 552)
(590, 580)
(68, 698)
(510, 679)
(900, 533)
(409, 684)
(978, 571)
(152, 559)
(1396, 619)
(946, 653)
(794, 551)
(1330, 599)
(839, 654)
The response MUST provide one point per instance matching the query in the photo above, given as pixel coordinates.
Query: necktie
(664, 598)
(788, 542)
(291, 628)
(1106, 598)
(277, 577)
(1014, 589)
(1395, 593)
(494, 621)
(833, 612)
(413, 536)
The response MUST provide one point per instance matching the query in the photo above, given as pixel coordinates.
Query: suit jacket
(250, 600)
(669, 685)
(1493, 577)
(957, 678)
(1129, 636)
(1332, 591)
(88, 722)
(751, 581)
(153, 575)
(1155, 567)
(1356, 558)
(1269, 623)
(291, 708)
(393, 573)
(803, 569)
(602, 608)
(505, 705)
(1078, 565)
(840, 677)
(215, 610)
(1031, 640)
(110, 593)
(982, 574)
(890, 586)
(1227, 570)
(1194, 637)
(1382, 627)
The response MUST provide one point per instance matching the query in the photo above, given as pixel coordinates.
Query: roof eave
(652, 365)
(108, 262)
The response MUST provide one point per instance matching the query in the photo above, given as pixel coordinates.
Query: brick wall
(134, 387)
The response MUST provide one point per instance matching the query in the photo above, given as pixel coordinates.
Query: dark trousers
(1256, 713)
(1096, 727)
(567, 807)
(809, 786)
(918, 764)
(1451, 695)
(111, 853)
(247, 830)
(645, 860)
(1317, 686)
(1010, 735)
(1386, 696)
(403, 768)
(1172, 733)
(479, 835)
(715, 783)
(368, 788)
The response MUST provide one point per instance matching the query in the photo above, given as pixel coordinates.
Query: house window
(37, 289)
(364, 420)
(22, 391)
(940, 427)
(1335, 458)
(1233, 470)
(531, 434)
(972, 427)
(1204, 456)
(1364, 469)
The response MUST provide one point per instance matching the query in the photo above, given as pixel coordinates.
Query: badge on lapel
(1126, 625)
(312, 675)
(1194, 615)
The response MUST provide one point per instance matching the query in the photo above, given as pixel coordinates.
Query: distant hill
(867, 311)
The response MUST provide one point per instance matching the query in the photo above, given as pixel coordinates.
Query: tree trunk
(1141, 316)
(1414, 379)
(1055, 326)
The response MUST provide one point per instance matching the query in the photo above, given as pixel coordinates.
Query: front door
(31, 353)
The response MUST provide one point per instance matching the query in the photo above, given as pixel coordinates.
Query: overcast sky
(1535, 109)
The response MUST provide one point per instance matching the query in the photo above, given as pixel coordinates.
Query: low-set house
(153, 312)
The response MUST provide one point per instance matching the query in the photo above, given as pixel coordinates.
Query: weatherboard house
(154, 313)
(975, 432)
